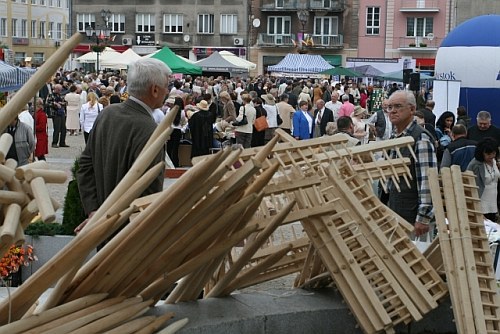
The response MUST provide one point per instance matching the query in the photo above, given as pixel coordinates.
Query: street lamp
(303, 15)
(100, 35)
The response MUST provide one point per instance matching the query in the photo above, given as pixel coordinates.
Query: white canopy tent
(91, 57)
(120, 61)
(237, 60)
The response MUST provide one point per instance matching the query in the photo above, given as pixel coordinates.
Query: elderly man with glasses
(413, 202)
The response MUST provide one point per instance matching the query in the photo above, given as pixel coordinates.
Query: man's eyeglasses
(395, 107)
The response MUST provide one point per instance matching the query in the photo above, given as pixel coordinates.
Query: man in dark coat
(120, 134)
(322, 116)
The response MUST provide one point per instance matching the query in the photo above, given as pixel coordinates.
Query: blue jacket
(301, 126)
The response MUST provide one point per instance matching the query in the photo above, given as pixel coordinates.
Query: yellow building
(33, 29)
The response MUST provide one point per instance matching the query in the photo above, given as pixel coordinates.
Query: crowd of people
(215, 111)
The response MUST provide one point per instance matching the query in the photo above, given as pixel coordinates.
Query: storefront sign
(19, 41)
(145, 39)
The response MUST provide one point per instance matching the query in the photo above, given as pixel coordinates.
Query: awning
(334, 60)
(84, 48)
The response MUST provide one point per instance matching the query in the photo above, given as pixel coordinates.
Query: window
(145, 22)
(42, 2)
(19, 57)
(59, 32)
(279, 25)
(38, 58)
(24, 28)
(173, 23)
(51, 33)
(419, 26)
(14, 27)
(117, 22)
(326, 26)
(51, 3)
(373, 20)
(85, 19)
(228, 24)
(33, 29)
(280, 3)
(42, 29)
(59, 4)
(33, 2)
(3, 27)
(205, 24)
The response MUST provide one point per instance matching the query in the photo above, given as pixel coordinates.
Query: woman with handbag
(258, 137)
(244, 122)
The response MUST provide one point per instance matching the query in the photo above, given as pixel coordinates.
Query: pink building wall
(372, 46)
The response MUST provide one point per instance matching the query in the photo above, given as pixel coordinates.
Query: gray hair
(484, 115)
(345, 97)
(144, 73)
(410, 97)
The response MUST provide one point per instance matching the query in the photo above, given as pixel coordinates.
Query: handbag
(260, 123)
(244, 120)
(278, 117)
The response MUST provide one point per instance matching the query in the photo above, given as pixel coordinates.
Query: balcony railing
(419, 43)
(325, 5)
(276, 40)
(290, 40)
(281, 5)
(328, 41)
(328, 5)
(419, 5)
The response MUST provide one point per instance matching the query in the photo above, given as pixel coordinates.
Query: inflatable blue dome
(471, 54)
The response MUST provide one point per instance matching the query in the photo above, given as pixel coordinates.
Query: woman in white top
(243, 133)
(361, 130)
(72, 109)
(272, 115)
(89, 113)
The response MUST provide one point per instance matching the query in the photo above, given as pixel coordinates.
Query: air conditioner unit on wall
(238, 41)
(126, 41)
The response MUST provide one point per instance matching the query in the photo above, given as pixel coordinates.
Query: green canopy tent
(339, 70)
(176, 64)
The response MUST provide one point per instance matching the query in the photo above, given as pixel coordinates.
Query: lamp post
(303, 15)
(100, 34)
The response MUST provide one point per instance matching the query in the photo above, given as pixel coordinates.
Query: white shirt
(27, 119)
(158, 115)
(272, 115)
(88, 114)
(334, 107)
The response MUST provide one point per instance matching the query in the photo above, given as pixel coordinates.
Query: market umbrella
(367, 70)
(339, 70)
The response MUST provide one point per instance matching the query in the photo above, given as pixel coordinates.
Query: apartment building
(33, 29)
(191, 28)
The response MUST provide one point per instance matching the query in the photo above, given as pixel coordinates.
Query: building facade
(191, 28)
(33, 29)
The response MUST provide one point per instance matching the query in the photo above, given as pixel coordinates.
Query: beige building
(33, 29)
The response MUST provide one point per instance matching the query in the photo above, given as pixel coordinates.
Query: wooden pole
(22, 298)
(37, 320)
(42, 197)
(5, 144)
(10, 224)
(36, 82)
(49, 176)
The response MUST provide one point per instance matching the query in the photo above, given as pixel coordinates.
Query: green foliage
(40, 228)
(73, 210)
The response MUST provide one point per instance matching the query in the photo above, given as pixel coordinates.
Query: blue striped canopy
(301, 64)
(13, 78)
(8, 77)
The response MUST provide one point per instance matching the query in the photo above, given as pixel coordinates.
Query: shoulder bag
(260, 123)
(244, 120)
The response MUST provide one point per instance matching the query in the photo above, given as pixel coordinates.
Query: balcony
(294, 5)
(276, 40)
(419, 44)
(278, 6)
(327, 5)
(318, 42)
(419, 6)
(328, 41)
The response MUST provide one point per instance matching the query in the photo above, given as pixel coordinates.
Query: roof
(301, 63)
(216, 63)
